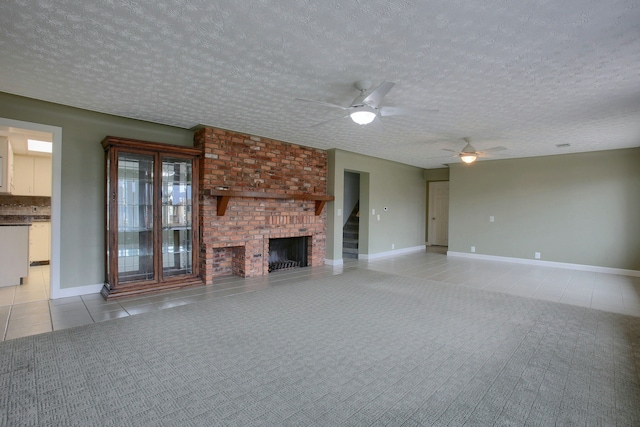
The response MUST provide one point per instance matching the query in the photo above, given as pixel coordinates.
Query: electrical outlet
(378, 217)
(339, 212)
(373, 211)
(393, 246)
(491, 218)
(473, 248)
(537, 255)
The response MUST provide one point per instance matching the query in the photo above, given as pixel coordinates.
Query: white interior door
(439, 213)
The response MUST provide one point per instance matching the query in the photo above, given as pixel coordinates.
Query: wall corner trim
(565, 265)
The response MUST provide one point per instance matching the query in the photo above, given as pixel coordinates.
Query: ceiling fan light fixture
(468, 157)
(363, 117)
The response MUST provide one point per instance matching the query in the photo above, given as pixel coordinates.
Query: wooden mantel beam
(223, 197)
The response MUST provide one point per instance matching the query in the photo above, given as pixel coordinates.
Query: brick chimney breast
(238, 241)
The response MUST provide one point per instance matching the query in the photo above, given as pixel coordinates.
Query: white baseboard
(77, 291)
(392, 253)
(333, 261)
(566, 265)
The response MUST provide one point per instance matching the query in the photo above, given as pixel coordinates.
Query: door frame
(56, 160)
(431, 211)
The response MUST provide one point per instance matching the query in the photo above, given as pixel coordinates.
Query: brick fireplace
(253, 189)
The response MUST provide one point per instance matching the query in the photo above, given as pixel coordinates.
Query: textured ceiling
(526, 75)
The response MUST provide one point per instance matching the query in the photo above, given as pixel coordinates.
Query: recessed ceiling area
(524, 75)
(19, 140)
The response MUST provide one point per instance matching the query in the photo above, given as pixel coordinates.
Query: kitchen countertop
(23, 219)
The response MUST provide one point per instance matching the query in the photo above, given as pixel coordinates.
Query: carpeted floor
(357, 349)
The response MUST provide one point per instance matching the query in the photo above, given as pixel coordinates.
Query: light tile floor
(26, 309)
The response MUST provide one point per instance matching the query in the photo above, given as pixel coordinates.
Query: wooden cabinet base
(132, 290)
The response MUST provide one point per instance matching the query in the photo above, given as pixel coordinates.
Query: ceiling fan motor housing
(468, 149)
(363, 85)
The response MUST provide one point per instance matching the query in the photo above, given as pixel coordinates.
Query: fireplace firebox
(286, 253)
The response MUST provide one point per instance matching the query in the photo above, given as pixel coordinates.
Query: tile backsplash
(25, 206)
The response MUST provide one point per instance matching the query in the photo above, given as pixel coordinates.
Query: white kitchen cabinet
(22, 175)
(40, 241)
(42, 171)
(6, 166)
(32, 176)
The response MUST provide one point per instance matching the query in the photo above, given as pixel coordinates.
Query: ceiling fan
(366, 106)
(469, 154)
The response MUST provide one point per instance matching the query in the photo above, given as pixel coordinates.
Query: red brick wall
(248, 163)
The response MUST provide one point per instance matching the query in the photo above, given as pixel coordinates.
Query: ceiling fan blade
(330, 120)
(453, 151)
(396, 111)
(326, 104)
(376, 95)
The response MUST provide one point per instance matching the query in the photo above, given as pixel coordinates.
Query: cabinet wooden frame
(113, 147)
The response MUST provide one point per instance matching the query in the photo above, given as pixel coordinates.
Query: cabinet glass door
(177, 244)
(135, 217)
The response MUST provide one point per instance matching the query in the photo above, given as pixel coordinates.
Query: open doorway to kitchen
(34, 199)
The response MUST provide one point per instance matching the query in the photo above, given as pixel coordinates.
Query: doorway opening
(35, 199)
(351, 217)
(438, 226)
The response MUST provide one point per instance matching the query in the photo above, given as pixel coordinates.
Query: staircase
(350, 234)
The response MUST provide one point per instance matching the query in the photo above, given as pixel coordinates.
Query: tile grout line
(50, 314)
(566, 285)
(87, 308)
(6, 325)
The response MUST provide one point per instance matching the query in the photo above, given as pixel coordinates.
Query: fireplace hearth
(286, 253)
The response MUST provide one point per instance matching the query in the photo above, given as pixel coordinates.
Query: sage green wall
(574, 208)
(82, 205)
(399, 187)
(441, 174)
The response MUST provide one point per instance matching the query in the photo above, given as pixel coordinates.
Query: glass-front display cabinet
(151, 217)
